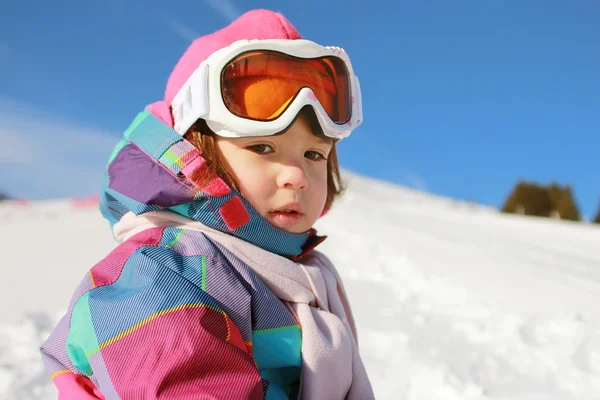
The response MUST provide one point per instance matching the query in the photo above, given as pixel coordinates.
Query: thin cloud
(182, 30)
(43, 156)
(414, 180)
(226, 8)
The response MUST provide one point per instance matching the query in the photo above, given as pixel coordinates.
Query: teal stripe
(278, 347)
(141, 117)
(122, 143)
(182, 209)
(81, 340)
(280, 381)
(276, 330)
(154, 136)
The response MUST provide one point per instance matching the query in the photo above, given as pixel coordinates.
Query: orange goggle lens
(260, 85)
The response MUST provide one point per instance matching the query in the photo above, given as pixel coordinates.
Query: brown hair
(204, 139)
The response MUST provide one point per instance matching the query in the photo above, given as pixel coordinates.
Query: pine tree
(597, 219)
(566, 206)
(529, 199)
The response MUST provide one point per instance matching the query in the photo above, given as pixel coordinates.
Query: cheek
(254, 185)
(320, 191)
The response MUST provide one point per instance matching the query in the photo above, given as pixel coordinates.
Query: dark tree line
(552, 200)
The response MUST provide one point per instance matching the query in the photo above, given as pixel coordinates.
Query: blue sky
(461, 98)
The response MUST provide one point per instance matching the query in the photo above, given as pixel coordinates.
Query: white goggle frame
(200, 97)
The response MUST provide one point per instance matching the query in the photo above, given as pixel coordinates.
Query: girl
(215, 290)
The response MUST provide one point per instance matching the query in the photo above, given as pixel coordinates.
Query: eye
(314, 155)
(261, 148)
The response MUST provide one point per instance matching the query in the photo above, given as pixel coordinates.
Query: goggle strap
(191, 102)
(358, 99)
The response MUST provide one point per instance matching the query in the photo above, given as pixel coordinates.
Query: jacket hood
(149, 170)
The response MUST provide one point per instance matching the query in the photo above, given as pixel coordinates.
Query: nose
(292, 176)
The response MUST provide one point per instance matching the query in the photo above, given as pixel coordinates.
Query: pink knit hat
(255, 24)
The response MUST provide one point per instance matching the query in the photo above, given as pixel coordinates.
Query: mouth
(287, 215)
(290, 208)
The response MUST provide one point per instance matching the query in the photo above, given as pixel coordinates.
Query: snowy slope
(453, 300)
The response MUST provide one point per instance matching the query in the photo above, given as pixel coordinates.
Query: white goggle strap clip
(191, 102)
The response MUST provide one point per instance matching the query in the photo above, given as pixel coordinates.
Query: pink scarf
(312, 290)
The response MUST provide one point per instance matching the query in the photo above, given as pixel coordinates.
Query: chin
(295, 230)
(298, 228)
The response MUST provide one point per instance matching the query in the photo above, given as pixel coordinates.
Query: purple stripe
(54, 351)
(224, 285)
(222, 282)
(101, 378)
(139, 177)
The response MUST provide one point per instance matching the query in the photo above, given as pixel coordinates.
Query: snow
(452, 300)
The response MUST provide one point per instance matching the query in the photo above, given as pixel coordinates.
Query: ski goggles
(258, 87)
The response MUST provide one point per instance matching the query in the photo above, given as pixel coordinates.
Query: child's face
(284, 177)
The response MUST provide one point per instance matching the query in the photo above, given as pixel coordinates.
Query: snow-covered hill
(452, 300)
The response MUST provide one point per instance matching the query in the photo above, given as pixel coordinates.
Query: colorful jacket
(169, 313)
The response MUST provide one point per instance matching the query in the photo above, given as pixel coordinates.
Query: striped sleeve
(145, 329)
